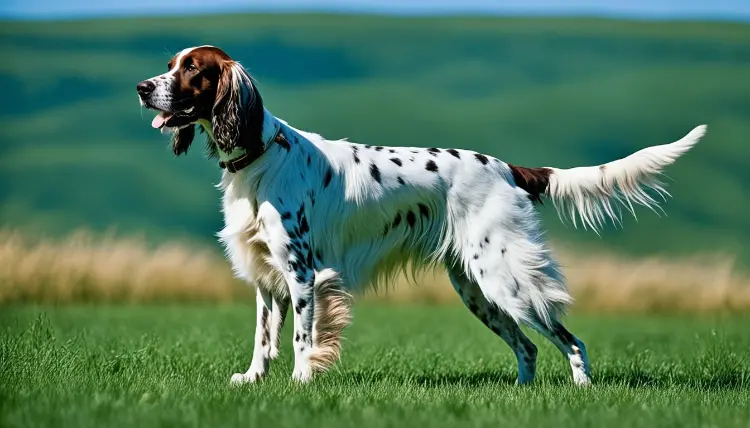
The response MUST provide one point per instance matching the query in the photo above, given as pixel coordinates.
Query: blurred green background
(77, 150)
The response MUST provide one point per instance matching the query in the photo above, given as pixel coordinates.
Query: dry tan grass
(606, 282)
(695, 284)
(82, 267)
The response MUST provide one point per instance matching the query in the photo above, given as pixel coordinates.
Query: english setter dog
(309, 221)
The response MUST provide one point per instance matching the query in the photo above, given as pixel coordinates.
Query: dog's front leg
(288, 238)
(262, 350)
(300, 278)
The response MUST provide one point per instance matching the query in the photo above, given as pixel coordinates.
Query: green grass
(403, 366)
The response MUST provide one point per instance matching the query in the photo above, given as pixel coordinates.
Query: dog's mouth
(174, 119)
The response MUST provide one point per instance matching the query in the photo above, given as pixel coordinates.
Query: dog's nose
(145, 88)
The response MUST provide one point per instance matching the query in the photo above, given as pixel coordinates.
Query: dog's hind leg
(498, 321)
(572, 348)
(503, 251)
(526, 283)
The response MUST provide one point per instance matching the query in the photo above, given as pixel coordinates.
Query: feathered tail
(586, 193)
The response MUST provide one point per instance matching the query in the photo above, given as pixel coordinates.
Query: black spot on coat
(423, 210)
(411, 218)
(303, 226)
(481, 158)
(300, 277)
(375, 172)
(397, 220)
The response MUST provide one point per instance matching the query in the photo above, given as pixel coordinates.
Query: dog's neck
(271, 127)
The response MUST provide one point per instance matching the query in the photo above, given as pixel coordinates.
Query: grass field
(169, 365)
(118, 308)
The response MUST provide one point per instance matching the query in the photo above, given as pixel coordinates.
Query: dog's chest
(245, 240)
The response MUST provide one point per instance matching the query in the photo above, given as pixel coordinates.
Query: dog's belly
(370, 257)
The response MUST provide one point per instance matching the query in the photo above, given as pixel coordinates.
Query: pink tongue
(160, 119)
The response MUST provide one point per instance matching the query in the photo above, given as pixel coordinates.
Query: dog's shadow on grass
(726, 380)
(732, 379)
(434, 379)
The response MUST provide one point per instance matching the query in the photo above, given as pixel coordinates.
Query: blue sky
(735, 10)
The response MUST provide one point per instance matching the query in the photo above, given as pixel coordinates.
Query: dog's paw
(251, 376)
(274, 353)
(302, 374)
(581, 379)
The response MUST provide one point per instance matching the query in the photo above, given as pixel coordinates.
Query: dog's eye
(192, 67)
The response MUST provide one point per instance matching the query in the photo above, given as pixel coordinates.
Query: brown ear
(182, 138)
(226, 121)
(238, 111)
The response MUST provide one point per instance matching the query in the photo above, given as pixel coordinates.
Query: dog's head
(205, 86)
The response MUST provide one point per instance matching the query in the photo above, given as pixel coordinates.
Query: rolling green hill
(77, 150)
